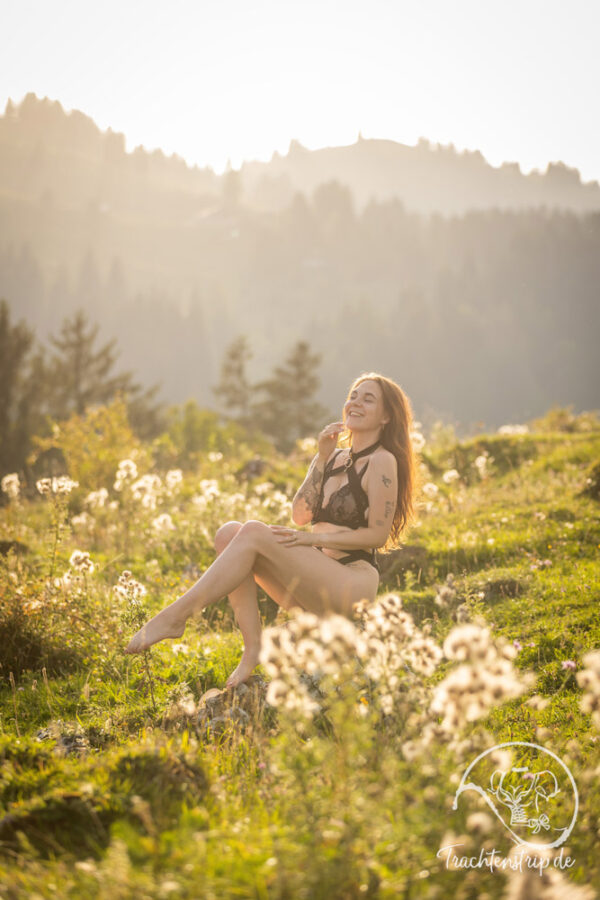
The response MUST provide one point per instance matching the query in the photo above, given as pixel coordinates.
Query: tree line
(74, 372)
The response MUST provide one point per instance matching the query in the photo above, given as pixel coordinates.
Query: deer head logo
(521, 797)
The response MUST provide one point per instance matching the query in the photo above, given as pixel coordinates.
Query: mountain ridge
(427, 178)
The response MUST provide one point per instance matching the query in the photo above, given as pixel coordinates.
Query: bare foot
(165, 624)
(247, 664)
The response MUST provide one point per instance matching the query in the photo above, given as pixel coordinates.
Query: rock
(218, 708)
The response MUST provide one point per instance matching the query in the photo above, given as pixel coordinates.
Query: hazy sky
(214, 80)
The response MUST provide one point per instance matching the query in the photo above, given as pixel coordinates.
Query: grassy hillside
(333, 772)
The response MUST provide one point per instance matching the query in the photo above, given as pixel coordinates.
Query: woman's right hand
(328, 438)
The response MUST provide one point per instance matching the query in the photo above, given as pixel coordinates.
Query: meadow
(332, 773)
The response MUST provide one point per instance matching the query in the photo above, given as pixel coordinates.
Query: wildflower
(63, 484)
(430, 489)
(83, 520)
(11, 486)
(80, 560)
(517, 645)
(96, 499)
(215, 456)
(146, 489)
(263, 488)
(173, 479)
(209, 488)
(445, 595)
(569, 665)
(127, 471)
(482, 462)
(418, 441)
(307, 445)
(163, 523)
(128, 587)
(513, 429)
(450, 476)
(57, 485)
(485, 678)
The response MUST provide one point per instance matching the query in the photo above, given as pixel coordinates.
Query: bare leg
(317, 582)
(245, 607)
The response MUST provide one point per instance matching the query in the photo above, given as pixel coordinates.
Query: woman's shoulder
(384, 459)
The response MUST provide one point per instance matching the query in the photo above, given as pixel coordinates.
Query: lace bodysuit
(348, 505)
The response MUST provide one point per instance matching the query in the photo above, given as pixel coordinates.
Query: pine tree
(288, 410)
(81, 376)
(23, 391)
(234, 389)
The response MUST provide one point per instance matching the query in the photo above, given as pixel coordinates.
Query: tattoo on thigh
(386, 481)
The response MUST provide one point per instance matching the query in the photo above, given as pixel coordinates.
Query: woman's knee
(226, 534)
(257, 533)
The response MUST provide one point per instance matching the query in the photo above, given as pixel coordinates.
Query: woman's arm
(382, 493)
(305, 502)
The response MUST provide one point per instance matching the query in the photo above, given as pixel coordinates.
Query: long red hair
(396, 437)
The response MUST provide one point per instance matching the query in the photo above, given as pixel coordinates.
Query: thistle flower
(128, 588)
(486, 678)
(96, 499)
(80, 560)
(215, 456)
(83, 520)
(11, 486)
(127, 471)
(417, 439)
(62, 484)
(147, 489)
(450, 476)
(44, 485)
(513, 429)
(430, 490)
(209, 488)
(163, 523)
(263, 488)
(482, 462)
(173, 479)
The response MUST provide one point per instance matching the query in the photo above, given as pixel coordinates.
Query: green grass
(106, 790)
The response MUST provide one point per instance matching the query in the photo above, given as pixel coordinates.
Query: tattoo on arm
(379, 522)
(386, 481)
(311, 488)
(388, 508)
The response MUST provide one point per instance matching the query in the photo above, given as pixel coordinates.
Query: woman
(357, 499)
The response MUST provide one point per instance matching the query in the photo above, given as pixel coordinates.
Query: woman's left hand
(292, 538)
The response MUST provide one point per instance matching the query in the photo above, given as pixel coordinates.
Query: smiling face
(364, 410)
